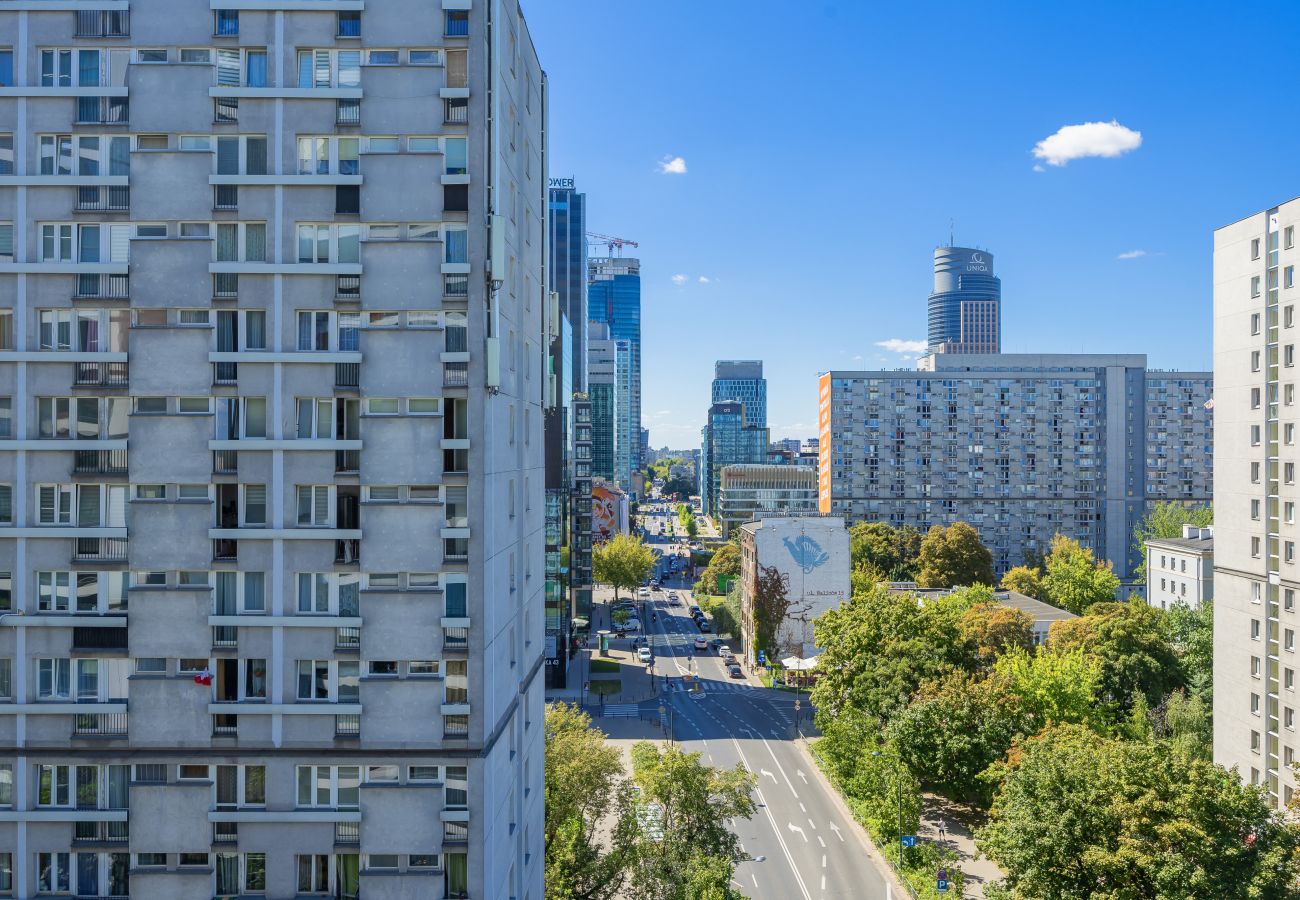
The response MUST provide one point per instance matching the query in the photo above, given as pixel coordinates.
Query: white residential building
(1181, 570)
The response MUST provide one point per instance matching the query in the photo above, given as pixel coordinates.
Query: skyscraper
(568, 266)
(727, 439)
(614, 297)
(742, 380)
(1256, 569)
(965, 310)
(287, 430)
(601, 385)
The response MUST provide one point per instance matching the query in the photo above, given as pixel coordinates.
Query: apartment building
(1021, 446)
(1255, 533)
(271, 484)
(750, 493)
(1181, 569)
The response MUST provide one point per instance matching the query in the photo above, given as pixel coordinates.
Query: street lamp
(669, 710)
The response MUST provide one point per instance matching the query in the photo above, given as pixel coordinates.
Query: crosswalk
(735, 687)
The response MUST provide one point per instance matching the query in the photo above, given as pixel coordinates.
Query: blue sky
(826, 145)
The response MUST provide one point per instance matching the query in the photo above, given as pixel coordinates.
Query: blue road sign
(941, 885)
(908, 840)
(762, 657)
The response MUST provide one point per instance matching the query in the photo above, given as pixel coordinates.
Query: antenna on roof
(952, 241)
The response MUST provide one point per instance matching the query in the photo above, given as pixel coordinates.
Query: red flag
(203, 678)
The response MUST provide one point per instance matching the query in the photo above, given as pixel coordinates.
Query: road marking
(802, 808)
(835, 828)
(823, 882)
(768, 774)
(780, 839)
(823, 860)
(813, 824)
(754, 878)
(794, 827)
(820, 841)
(800, 773)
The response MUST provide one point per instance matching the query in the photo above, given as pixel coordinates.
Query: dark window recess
(455, 197)
(225, 22)
(457, 23)
(347, 199)
(350, 24)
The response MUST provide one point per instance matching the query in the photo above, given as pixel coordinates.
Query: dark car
(715, 643)
(694, 608)
(704, 625)
(733, 671)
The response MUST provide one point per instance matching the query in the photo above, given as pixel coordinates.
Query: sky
(789, 168)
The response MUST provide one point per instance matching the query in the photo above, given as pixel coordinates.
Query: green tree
(874, 544)
(954, 729)
(1081, 815)
(1132, 642)
(1166, 520)
(1075, 580)
(622, 562)
(583, 787)
(771, 600)
(1185, 723)
(1024, 580)
(725, 562)
(689, 804)
(990, 629)
(953, 556)
(692, 528)
(872, 774)
(1053, 685)
(1192, 632)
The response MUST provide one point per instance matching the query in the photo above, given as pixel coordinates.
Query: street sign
(943, 875)
(762, 657)
(908, 840)
(941, 885)
(796, 706)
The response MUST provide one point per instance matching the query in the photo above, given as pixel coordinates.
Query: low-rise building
(1181, 570)
(1042, 614)
(753, 492)
(811, 556)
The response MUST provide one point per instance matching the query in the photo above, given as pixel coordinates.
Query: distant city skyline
(1112, 230)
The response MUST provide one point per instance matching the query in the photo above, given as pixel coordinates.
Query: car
(645, 655)
(643, 592)
(704, 625)
(733, 671)
(694, 608)
(701, 645)
(716, 644)
(632, 625)
(673, 601)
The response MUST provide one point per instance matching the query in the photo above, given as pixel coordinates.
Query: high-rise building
(1021, 446)
(623, 380)
(601, 388)
(742, 379)
(271, 310)
(750, 493)
(561, 504)
(567, 231)
(727, 439)
(1256, 579)
(614, 297)
(965, 310)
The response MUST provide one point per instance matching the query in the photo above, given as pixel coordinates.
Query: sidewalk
(637, 683)
(958, 822)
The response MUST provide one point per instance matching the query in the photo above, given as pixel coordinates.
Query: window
(1288, 277)
(422, 668)
(349, 24)
(1288, 355)
(225, 22)
(382, 406)
(1255, 433)
(53, 873)
(1288, 600)
(143, 55)
(6, 68)
(422, 773)
(1288, 639)
(1288, 679)
(329, 243)
(241, 155)
(1254, 360)
(329, 68)
(1254, 323)
(84, 154)
(1254, 509)
(329, 156)
(1255, 666)
(423, 57)
(7, 255)
(383, 667)
(151, 665)
(241, 242)
(240, 786)
(6, 154)
(1254, 704)
(1254, 547)
(1254, 742)
(238, 873)
(316, 505)
(381, 861)
(1255, 396)
(1254, 473)
(383, 57)
(1288, 433)
(329, 787)
(1288, 717)
(1254, 248)
(1288, 472)
(1254, 629)
(323, 680)
(329, 593)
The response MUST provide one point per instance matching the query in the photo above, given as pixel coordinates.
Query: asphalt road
(802, 844)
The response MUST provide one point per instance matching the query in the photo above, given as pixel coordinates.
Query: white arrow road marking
(800, 773)
(835, 828)
(794, 827)
(767, 773)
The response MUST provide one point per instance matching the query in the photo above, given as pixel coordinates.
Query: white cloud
(672, 165)
(705, 279)
(1038, 168)
(858, 358)
(898, 345)
(680, 279)
(1132, 254)
(1105, 139)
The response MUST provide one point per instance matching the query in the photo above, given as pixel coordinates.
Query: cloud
(672, 165)
(1132, 254)
(680, 279)
(705, 279)
(1105, 139)
(1038, 168)
(858, 358)
(898, 345)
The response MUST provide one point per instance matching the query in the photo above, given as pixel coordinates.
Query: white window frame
(334, 68)
(332, 234)
(316, 495)
(309, 162)
(331, 780)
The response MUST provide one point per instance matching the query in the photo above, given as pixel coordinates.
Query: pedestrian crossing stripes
(718, 687)
(620, 710)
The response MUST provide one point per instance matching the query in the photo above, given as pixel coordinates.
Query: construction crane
(611, 243)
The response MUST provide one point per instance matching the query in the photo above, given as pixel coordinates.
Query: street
(802, 845)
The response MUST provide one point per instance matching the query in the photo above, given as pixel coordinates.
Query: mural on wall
(604, 512)
(812, 554)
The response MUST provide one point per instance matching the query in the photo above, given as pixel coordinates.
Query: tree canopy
(1131, 641)
(952, 557)
(1165, 519)
(725, 562)
(1075, 580)
(1027, 580)
(622, 562)
(888, 553)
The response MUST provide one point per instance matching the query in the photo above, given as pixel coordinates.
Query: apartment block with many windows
(271, 485)
(1255, 569)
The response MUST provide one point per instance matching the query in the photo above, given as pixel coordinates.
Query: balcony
(347, 376)
(347, 834)
(225, 197)
(106, 550)
(225, 549)
(110, 198)
(455, 111)
(455, 832)
(347, 287)
(103, 111)
(102, 286)
(225, 832)
(225, 725)
(348, 725)
(225, 111)
(101, 833)
(455, 640)
(106, 725)
(225, 285)
(99, 639)
(347, 111)
(347, 462)
(225, 462)
(103, 23)
(104, 375)
(99, 462)
(225, 637)
(225, 373)
(347, 552)
(347, 638)
(455, 374)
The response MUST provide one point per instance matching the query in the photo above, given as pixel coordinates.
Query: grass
(606, 686)
(605, 665)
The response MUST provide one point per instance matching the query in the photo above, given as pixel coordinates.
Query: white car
(643, 592)
(645, 655)
(630, 625)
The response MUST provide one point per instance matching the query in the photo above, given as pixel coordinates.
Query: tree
(872, 774)
(622, 562)
(1132, 643)
(1166, 520)
(583, 786)
(771, 603)
(1053, 685)
(953, 556)
(692, 528)
(991, 629)
(1192, 632)
(725, 563)
(1184, 722)
(954, 729)
(1075, 580)
(1081, 815)
(1024, 580)
(689, 804)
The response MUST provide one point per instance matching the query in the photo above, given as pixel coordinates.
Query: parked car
(704, 625)
(645, 655)
(672, 595)
(733, 671)
(694, 608)
(716, 644)
(643, 592)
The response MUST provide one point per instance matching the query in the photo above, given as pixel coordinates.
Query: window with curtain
(256, 68)
(119, 156)
(254, 591)
(457, 243)
(228, 873)
(88, 68)
(255, 330)
(255, 242)
(457, 874)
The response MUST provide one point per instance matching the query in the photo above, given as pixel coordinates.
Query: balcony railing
(347, 287)
(347, 638)
(224, 548)
(99, 462)
(455, 111)
(102, 286)
(225, 462)
(225, 196)
(347, 725)
(103, 111)
(101, 833)
(105, 198)
(106, 374)
(225, 285)
(111, 725)
(88, 638)
(225, 110)
(225, 373)
(347, 552)
(455, 286)
(225, 636)
(455, 640)
(94, 23)
(347, 461)
(457, 23)
(99, 549)
(455, 832)
(225, 832)
(225, 724)
(347, 112)
(347, 833)
(347, 375)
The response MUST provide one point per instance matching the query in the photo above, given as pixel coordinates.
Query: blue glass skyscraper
(568, 267)
(965, 310)
(614, 297)
(742, 380)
